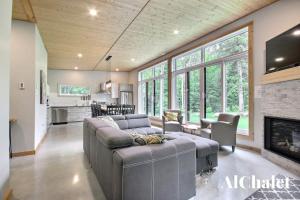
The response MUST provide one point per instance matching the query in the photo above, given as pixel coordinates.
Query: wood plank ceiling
(125, 29)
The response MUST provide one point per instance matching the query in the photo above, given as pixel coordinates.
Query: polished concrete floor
(60, 171)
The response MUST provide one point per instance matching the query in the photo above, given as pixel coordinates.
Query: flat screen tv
(283, 51)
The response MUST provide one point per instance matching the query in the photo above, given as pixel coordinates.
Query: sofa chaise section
(126, 171)
(206, 150)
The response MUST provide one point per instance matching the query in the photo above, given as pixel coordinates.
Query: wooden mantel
(280, 76)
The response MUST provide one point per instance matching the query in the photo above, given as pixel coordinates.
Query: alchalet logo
(246, 182)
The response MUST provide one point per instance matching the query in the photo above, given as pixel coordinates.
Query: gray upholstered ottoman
(206, 150)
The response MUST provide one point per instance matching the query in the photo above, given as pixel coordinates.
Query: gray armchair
(174, 126)
(223, 130)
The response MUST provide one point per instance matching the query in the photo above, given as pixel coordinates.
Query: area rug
(291, 193)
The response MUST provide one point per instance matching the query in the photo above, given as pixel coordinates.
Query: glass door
(213, 91)
(180, 94)
(193, 96)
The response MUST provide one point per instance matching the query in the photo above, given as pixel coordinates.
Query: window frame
(60, 93)
(154, 79)
(201, 42)
(246, 53)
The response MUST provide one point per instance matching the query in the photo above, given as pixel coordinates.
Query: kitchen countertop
(67, 106)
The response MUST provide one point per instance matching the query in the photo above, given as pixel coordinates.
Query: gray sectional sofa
(158, 171)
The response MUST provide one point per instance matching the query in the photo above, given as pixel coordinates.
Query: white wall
(22, 105)
(40, 109)
(5, 30)
(28, 57)
(91, 79)
(268, 22)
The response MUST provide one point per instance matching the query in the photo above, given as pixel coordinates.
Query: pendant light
(108, 72)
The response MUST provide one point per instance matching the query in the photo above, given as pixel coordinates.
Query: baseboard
(23, 153)
(7, 194)
(32, 152)
(257, 150)
(41, 142)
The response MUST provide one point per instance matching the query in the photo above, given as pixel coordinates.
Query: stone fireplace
(280, 105)
(282, 136)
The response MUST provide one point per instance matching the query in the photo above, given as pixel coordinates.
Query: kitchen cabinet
(73, 114)
(78, 113)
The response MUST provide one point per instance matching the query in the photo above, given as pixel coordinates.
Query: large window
(219, 71)
(213, 91)
(193, 105)
(72, 90)
(187, 85)
(236, 89)
(153, 90)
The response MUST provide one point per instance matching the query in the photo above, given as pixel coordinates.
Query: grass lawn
(195, 118)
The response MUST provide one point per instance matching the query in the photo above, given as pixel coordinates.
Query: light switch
(22, 86)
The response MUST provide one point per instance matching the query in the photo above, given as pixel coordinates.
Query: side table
(191, 127)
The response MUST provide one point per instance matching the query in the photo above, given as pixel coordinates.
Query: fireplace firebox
(282, 136)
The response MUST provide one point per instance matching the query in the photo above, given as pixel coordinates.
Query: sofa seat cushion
(204, 146)
(144, 131)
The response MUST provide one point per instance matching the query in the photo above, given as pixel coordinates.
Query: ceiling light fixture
(132, 59)
(76, 68)
(279, 59)
(79, 55)
(117, 69)
(296, 33)
(176, 32)
(93, 12)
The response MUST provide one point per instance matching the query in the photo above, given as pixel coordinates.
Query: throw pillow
(110, 121)
(171, 116)
(149, 139)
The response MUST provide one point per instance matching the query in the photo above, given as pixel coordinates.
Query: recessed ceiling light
(176, 32)
(296, 33)
(117, 69)
(272, 68)
(132, 59)
(93, 12)
(79, 55)
(279, 59)
(76, 68)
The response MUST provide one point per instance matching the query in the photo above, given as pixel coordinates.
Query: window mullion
(223, 73)
(147, 98)
(161, 98)
(186, 95)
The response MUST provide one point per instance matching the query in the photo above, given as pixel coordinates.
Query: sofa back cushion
(113, 138)
(94, 123)
(137, 121)
(121, 121)
(109, 120)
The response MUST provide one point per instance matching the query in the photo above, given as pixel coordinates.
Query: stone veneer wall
(281, 100)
